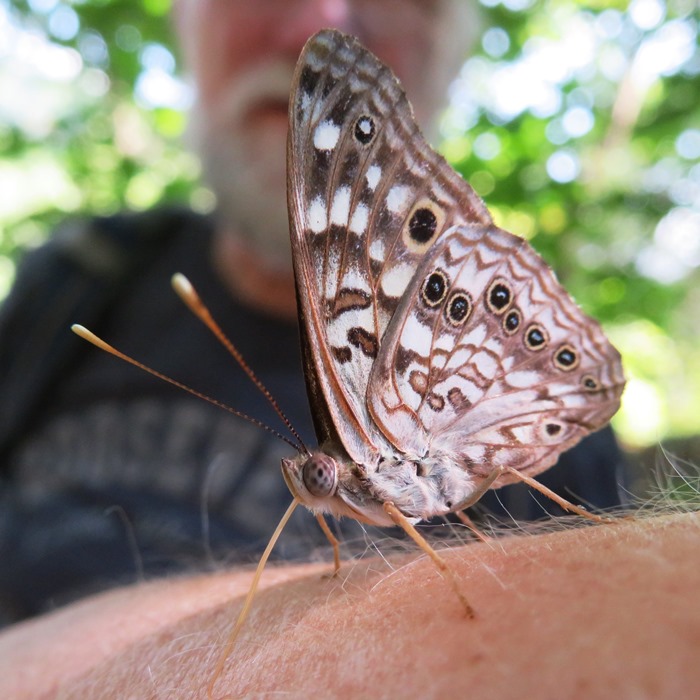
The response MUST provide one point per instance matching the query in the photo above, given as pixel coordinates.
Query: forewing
(368, 198)
(488, 360)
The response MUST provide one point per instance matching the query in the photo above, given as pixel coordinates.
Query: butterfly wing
(367, 198)
(489, 361)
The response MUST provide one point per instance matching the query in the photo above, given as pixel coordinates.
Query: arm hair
(605, 611)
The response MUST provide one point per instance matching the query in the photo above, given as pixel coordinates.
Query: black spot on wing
(308, 80)
(422, 225)
(328, 85)
(365, 129)
(350, 300)
(338, 113)
(342, 355)
(457, 399)
(364, 340)
(566, 358)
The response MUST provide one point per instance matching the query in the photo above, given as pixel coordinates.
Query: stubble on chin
(241, 140)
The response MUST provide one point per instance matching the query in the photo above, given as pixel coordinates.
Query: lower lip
(268, 112)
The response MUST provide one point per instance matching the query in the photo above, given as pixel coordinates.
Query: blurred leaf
(569, 129)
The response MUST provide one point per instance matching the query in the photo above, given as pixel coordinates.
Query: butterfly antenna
(98, 342)
(187, 293)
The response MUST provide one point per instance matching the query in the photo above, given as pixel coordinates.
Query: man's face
(242, 54)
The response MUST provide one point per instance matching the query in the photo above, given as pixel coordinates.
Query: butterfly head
(326, 485)
(313, 479)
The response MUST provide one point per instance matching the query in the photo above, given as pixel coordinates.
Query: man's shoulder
(109, 246)
(78, 274)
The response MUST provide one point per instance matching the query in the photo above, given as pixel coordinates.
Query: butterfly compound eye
(320, 475)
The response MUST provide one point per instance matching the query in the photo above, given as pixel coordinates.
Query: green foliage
(82, 129)
(592, 153)
(616, 120)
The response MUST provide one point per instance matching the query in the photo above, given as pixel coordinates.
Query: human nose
(305, 17)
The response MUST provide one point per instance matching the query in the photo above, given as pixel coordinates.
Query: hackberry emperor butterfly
(442, 356)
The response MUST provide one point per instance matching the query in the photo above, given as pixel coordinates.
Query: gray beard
(251, 198)
(248, 176)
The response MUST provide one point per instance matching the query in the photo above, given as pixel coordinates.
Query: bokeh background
(578, 122)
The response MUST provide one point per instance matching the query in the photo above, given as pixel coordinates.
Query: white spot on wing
(475, 336)
(355, 83)
(490, 256)
(439, 193)
(376, 250)
(416, 336)
(493, 344)
(395, 281)
(397, 198)
(522, 433)
(338, 332)
(475, 453)
(471, 391)
(353, 279)
(358, 222)
(338, 329)
(439, 359)
(491, 436)
(457, 250)
(573, 400)
(364, 318)
(316, 217)
(411, 397)
(346, 54)
(459, 358)
(485, 364)
(326, 136)
(522, 379)
(417, 167)
(337, 70)
(340, 209)
(446, 341)
(314, 61)
(374, 172)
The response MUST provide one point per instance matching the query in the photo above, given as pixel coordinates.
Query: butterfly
(442, 356)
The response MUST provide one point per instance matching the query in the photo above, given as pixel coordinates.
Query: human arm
(607, 611)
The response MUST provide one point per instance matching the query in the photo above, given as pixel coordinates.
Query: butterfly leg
(476, 496)
(469, 523)
(402, 521)
(562, 502)
(334, 543)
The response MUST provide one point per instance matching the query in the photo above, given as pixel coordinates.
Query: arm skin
(608, 611)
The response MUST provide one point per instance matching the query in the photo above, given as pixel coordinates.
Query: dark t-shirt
(109, 474)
